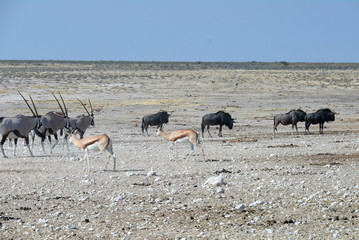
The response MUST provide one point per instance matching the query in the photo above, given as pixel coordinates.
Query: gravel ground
(251, 185)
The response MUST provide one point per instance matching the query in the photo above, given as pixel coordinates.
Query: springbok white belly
(185, 139)
(93, 147)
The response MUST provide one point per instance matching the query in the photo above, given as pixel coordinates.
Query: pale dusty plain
(283, 187)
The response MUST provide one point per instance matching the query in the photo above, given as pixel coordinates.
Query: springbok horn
(62, 110)
(91, 107)
(63, 102)
(27, 103)
(33, 104)
(84, 106)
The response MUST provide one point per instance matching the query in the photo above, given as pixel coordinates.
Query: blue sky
(180, 30)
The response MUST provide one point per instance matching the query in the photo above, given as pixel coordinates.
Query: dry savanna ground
(251, 185)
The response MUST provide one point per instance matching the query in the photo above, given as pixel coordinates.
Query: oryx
(80, 123)
(51, 123)
(20, 126)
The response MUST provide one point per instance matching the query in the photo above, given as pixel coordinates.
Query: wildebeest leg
(321, 126)
(276, 123)
(296, 127)
(15, 143)
(208, 131)
(292, 128)
(3, 139)
(28, 145)
(220, 131)
(307, 127)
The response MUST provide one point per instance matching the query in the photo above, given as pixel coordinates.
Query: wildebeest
(219, 118)
(320, 116)
(157, 119)
(291, 117)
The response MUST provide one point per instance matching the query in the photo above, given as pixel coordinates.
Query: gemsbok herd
(52, 123)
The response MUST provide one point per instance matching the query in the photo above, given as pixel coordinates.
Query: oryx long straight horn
(84, 106)
(27, 103)
(62, 110)
(63, 102)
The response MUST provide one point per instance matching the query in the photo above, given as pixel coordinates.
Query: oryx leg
(65, 140)
(32, 134)
(57, 140)
(28, 145)
(43, 145)
(3, 139)
(81, 133)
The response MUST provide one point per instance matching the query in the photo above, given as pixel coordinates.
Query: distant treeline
(145, 65)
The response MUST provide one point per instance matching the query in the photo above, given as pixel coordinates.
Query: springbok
(94, 143)
(180, 136)
(51, 123)
(20, 126)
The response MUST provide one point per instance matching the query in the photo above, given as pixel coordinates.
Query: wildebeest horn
(33, 104)
(62, 110)
(27, 103)
(84, 106)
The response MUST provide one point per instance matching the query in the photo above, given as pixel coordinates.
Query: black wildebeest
(219, 118)
(157, 119)
(291, 117)
(320, 116)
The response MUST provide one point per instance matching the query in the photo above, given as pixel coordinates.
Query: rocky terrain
(251, 185)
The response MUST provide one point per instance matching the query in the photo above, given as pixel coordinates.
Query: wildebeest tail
(275, 128)
(143, 126)
(202, 125)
